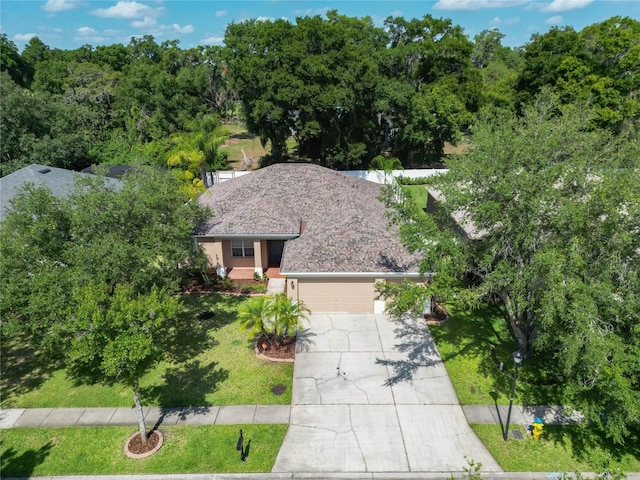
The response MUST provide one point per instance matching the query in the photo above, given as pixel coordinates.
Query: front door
(275, 252)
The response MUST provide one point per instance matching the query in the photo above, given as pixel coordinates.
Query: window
(242, 248)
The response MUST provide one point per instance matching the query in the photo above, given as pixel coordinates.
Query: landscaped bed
(98, 450)
(213, 364)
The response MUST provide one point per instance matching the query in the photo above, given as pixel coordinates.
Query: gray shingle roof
(58, 180)
(345, 227)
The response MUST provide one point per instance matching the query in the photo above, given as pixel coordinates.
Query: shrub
(413, 181)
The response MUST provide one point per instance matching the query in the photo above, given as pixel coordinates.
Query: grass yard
(212, 363)
(472, 345)
(418, 193)
(561, 449)
(239, 140)
(99, 450)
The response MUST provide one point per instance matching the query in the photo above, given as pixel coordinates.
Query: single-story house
(59, 181)
(326, 232)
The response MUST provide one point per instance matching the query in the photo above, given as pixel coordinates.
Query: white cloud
(265, 19)
(59, 5)
(146, 22)
(555, 20)
(505, 21)
(476, 4)
(211, 40)
(565, 5)
(86, 31)
(185, 29)
(221, 13)
(23, 37)
(125, 9)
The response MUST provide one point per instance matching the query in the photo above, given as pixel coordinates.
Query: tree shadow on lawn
(24, 464)
(203, 314)
(476, 333)
(24, 368)
(590, 446)
(484, 333)
(186, 385)
(187, 338)
(415, 340)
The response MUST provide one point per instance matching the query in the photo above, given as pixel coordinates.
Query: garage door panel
(331, 295)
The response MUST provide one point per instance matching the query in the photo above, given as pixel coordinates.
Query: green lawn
(212, 363)
(473, 344)
(561, 449)
(418, 193)
(240, 140)
(99, 450)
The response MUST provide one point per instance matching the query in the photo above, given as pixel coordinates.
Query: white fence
(376, 176)
(379, 176)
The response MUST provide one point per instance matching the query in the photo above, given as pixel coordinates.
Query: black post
(517, 358)
(240, 446)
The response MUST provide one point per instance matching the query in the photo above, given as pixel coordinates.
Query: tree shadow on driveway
(415, 341)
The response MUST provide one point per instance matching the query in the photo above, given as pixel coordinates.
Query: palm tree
(387, 165)
(255, 315)
(272, 319)
(288, 315)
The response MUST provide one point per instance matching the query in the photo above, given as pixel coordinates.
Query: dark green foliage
(139, 235)
(342, 88)
(550, 208)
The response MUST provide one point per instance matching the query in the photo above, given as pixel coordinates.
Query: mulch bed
(285, 351)
(136, 446)
(237, 287)
(438, 316)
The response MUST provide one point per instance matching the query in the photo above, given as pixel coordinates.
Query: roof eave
(255, 236)
(355, 274)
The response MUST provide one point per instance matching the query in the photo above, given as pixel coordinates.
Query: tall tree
(10, 60)
(262, 73)
(552, 209)
(90, 278)
(434, 57)
(543, 55)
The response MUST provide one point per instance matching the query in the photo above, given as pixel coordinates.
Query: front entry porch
(243, 273)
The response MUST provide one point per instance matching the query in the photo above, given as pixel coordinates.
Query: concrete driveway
(371, 394)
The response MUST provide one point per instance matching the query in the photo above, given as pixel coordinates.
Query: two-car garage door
(354, 295)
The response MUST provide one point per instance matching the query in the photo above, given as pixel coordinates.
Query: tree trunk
(276, 151)
(136, 400)
(519, 332)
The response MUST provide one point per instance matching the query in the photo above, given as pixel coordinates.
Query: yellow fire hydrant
(537, 428)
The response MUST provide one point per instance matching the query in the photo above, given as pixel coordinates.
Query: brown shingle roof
(346, 229)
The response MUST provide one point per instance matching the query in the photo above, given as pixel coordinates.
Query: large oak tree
(552, 206)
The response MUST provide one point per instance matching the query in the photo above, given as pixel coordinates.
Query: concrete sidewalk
(243, 414)
(325, 476)
(524, 415)
(154, 416)
(371, 400)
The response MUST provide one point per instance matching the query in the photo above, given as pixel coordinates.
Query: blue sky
(68, 24)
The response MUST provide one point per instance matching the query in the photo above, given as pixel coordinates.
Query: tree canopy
(332, 89)
(90, 278)
(551, 207)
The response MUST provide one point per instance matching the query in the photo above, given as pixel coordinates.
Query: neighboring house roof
(113, 171)
(335, 222)
(58, 180)
(468, 229)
